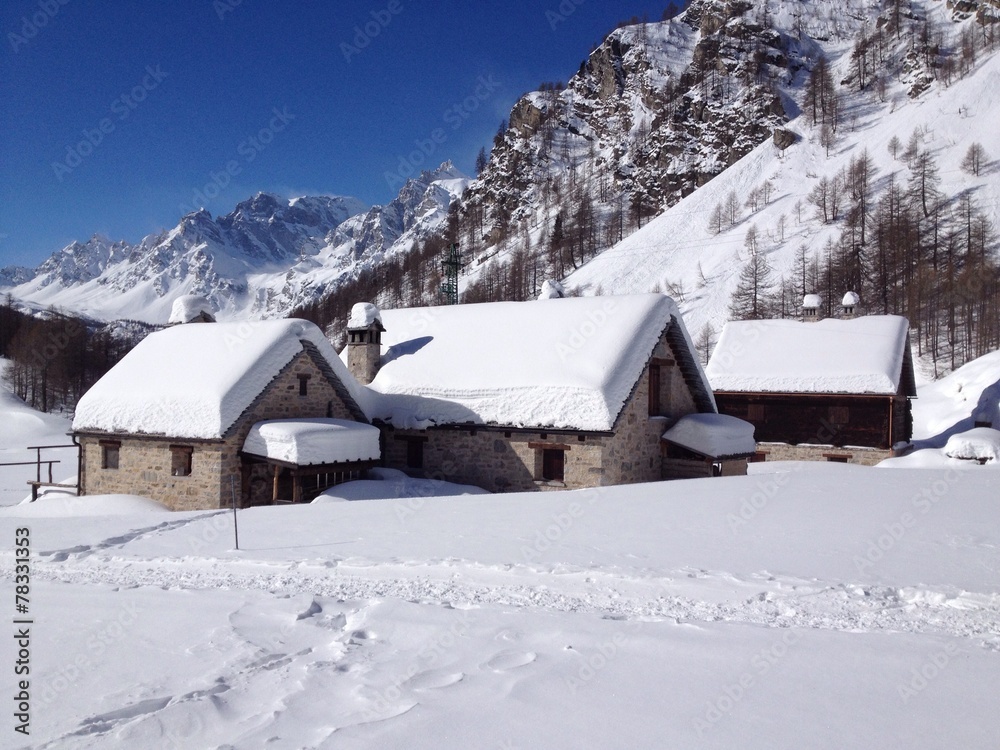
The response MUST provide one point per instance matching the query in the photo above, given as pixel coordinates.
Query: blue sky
(119, 116)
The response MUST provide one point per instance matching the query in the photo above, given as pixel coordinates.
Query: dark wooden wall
(821, 419)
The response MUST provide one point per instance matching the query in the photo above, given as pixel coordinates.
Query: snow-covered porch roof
(313, 442)
(713, 435)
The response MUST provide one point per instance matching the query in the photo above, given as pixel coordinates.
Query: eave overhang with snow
(555, 365)
(867, 356)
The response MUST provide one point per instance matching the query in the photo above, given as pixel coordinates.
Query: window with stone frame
(110, 454)
(181, 460)
(304, 385)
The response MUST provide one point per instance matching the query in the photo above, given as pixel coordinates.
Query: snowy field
(813, 606)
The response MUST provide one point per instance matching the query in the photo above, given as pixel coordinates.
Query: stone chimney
(364, 342)
(849, 305)
(811, 304)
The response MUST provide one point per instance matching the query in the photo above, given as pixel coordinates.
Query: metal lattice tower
(451, 265)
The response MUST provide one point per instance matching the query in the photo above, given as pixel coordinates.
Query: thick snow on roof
(850, 299)
(194, 381)
(561, 363)
(363, 314)
(188, 307)
(863, 355)
(812, 301)
(713, 435)
(314, 441)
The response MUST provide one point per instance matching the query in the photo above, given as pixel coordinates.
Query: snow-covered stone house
(197, 413)
(554, 393)
(561, 393)
(834, 390)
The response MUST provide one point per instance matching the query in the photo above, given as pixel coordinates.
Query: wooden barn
(834, 390)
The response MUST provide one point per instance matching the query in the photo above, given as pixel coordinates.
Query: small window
(303, 385)
(836, 458)
(758, 457)
(839, 415)
(180, 460)
(756, 413)
(553, 465)
(654, 390)
(415, 453)
(110, 455)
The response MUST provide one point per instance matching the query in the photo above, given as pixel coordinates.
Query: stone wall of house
(145, 463)
(806, 452)
(144, 468)
(511, 461)
(497, 460)
(633, 454)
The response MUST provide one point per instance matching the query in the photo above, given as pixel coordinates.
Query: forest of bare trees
(909, 250)
(54, 359)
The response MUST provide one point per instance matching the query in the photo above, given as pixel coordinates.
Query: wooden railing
(38, 462)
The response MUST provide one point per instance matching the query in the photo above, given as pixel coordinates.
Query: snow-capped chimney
(191, 308)
(552, 289)
(811, 304)
(364, 342)
(849, 305)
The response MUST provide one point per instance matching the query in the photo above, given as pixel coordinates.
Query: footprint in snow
(434, 679)
(507, 660)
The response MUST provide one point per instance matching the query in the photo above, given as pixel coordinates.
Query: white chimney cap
(363, 315)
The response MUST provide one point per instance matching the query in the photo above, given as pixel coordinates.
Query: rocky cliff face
(655, 111)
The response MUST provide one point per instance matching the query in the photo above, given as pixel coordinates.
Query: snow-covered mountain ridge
(261, 260)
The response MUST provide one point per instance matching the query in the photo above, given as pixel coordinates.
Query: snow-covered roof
(363, 314)
(189, 307)
(195, 381)
(850, 299)
(713, 435)
(812, 301)
(864, 355)
(561, 363)
(304, 442)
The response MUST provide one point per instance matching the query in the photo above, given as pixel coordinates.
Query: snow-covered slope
(681, 253)
(259, 261)
(852, 608)
(22, 427)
